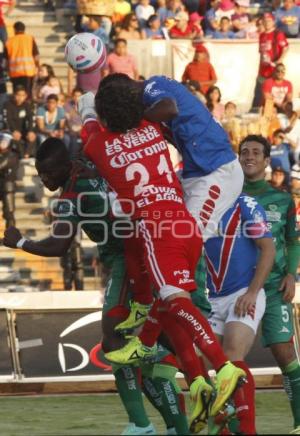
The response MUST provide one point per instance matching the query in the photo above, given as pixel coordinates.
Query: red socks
(191, 364)
(159, 319)
(198, 329)
(244, 400)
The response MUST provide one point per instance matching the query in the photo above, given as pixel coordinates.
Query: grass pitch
(104, 415)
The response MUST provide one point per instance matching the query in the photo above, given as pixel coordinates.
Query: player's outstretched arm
(162, 111)
(54, 245)
(246, 303)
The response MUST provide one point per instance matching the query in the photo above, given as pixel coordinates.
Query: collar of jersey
(255, 187)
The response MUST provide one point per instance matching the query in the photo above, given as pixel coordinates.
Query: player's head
(119, 103)
(254, 153)
(53, 163)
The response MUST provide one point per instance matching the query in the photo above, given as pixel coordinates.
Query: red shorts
(169, 250)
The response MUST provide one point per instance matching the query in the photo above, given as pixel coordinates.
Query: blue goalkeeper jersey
(201, 140)
(231, 257)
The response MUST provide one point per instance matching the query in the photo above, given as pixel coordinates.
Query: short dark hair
(115, 77)
(77, 89)
(20, 88)
(52, 148)
(52, 97)
(119, 40)
(120, 104)
(152, 18)
(261, 140)
(19, 27)
(278, 132)
(97, 18)
(229, 103)
(225, 19)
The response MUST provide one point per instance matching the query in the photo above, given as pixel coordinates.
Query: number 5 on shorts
(285, 314)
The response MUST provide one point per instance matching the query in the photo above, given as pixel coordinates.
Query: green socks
(130, 393)
(162, 394)
(291, 382)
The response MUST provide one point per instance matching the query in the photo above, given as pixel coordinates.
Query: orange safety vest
(20, 60)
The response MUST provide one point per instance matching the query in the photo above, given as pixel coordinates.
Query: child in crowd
(225, 31)
(214, 105)
(52, 86)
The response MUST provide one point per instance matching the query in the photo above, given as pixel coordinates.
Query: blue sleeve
(210, 15)
(254, 219)
(156, 89)
(61, 113)
(40, 111)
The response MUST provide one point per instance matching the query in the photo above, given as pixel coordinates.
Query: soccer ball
(85, 52)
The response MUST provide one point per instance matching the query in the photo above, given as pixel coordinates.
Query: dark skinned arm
(55, 245)
(164, 110)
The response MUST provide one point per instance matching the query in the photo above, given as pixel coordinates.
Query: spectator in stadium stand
(211, 21)
(9, 161)
(96, 26)
(288, 19)
(22, 55)
(200, 69)
(121, 9)
(273, 46)
(52, 86)
(44, 72)
(213, 102)
(226, 9)
(279, 179)
(73, 120)
(10, 4)
(3, 80)
(120, 61)
(224, 31)
(290, 124)
(143, 11)
(167, 9)
(130, 28)
(19, 120)
(51, 120)
(195, 21)
(281, 152)
(191, 5)
(295, 177)
(259, 22)
(182, 29)
(230, 110)
(153, 29)
(278, 88)
(241, 19)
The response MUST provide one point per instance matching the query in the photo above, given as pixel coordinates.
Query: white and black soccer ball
(85, 52)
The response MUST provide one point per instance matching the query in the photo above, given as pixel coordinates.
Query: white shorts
(209, 197)
(222, 311)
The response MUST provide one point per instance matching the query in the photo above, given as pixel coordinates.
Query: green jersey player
(277, 323)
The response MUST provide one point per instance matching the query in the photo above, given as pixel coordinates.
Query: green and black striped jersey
(85, 203)
(281, 217)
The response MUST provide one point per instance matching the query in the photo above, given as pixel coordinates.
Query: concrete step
(92, 284)
(32, 18)
(49, 29)
(31, 209)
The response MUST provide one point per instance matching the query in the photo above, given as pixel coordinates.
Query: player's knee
(284, 353)
(168, 293)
